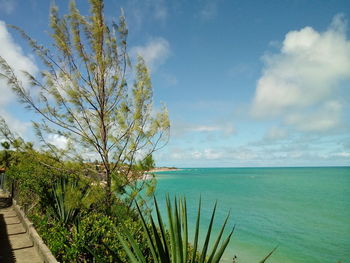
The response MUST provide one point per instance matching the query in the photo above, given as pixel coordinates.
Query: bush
(97, 235)
(93, 239)
(31, 178)
(62, 242)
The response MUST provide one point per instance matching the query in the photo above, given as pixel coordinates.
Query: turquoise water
(305, 211)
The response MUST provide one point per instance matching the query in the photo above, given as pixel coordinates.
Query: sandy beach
(163, 169)
(148, 175)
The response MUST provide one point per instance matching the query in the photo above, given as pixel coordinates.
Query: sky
(246, 83)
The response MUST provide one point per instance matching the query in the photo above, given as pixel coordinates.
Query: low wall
(43, 251)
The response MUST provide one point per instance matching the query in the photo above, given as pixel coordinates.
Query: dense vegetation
(68, 210)
(71, 215)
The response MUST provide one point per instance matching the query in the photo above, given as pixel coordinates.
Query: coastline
(149, 174)
(163, 169)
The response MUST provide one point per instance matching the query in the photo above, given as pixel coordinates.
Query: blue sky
(247, 83)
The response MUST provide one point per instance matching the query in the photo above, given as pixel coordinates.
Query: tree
(11, 142)
(83, 94)
(5, 156)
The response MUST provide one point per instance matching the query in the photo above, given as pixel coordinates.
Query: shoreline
(163, 169)
(148, 175)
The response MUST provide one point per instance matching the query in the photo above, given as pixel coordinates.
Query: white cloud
(343, 154)
(14, 56)
(303, 82)
(280, 146)
(59, 141)
(324, 118)
(206, 154)
(180, 128)
(226, 155)
(155, 52)
(212, 155)
(7, 6)
(203, 128)
(15, 125)
(275, 133)
(290, 153)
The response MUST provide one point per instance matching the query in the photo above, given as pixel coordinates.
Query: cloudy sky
(247, 83)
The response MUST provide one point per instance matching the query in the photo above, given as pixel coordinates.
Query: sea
(304, 212)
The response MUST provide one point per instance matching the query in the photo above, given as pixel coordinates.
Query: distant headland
(163, 169)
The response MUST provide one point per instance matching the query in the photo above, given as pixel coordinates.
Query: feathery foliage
(84, 96)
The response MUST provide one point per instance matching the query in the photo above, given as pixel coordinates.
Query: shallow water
(303, 211)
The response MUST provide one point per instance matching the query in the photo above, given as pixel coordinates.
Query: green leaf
(195, 244)
(221, 251)
(268, 255)
(177, 230)
(162, 229)
(207, 238)
(171, 230)
(159, 244)
(185, 230)
(218, 240)
(135, 246)
(149, 236)
(127, 249)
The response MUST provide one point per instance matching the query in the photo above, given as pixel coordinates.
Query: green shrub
(31, 178)
(97, 235)
(62, 242)
(93, 239)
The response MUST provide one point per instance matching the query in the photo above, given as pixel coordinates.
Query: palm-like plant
(66, 214)
(168, 243)
(66, 199)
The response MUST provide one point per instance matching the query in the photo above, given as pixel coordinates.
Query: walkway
(15, 245)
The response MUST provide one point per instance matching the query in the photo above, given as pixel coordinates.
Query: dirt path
(15, 245)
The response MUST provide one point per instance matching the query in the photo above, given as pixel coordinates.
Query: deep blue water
(305, 211)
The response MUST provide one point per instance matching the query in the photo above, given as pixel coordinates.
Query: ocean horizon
(253, 167)
(304, 211)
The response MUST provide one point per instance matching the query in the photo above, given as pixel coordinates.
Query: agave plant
(66, 200)
(168, 243)
(268, 255)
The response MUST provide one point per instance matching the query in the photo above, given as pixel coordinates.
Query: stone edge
(43, 251)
